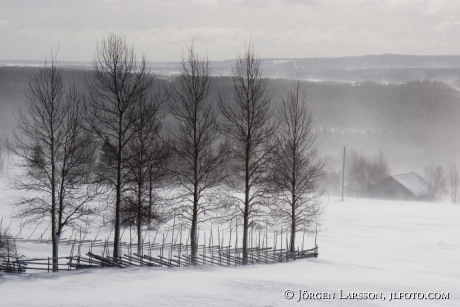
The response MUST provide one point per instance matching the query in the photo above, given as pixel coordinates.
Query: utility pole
(343, 172)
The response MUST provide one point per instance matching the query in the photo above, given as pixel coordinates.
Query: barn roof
(413, 182)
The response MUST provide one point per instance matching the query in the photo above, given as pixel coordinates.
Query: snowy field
(364, 246)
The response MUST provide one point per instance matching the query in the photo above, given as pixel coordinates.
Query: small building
(408, 186)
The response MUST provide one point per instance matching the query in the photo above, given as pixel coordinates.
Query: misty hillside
(414, 123)
(386, 68)
(374, 61)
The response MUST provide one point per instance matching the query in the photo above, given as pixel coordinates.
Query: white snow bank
(367, 246)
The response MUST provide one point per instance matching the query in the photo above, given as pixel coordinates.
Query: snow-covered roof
(413, 182)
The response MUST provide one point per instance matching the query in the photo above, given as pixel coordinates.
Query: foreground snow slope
(365, 246)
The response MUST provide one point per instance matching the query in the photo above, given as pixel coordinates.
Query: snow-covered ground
(364, 246)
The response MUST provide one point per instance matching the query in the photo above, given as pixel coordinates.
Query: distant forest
(414, 123)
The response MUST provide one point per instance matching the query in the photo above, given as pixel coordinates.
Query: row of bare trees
(233, 158)
(237, 146)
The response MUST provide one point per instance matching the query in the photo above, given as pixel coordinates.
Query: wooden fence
(174, 253)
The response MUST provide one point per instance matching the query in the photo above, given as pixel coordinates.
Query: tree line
(150, 153)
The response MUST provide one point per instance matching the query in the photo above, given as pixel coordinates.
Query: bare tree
(247, 123)
(56, 154)
(380, 169)
(296, 169)
(117, 85)
(363, 172)
(147, 167)
(454, 182)
(437, 184)
(357, 173)
(200, 156)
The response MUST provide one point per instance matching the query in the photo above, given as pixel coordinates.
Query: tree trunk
(54, 226)
(193, 230)
(246, 206)
(293, 194)
(139, 221)
(193, 242)
(245, 235)
(139, 238)
(56, 238)
(116, 241)
(293, 230)
(293, 223)
(150, 195)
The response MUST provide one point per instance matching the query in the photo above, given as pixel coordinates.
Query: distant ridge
(384, 68)
(384, 61)
(366, 61)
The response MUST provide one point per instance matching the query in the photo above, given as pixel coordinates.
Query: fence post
(48, 264)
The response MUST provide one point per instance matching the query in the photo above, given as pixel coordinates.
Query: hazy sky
(278, 28)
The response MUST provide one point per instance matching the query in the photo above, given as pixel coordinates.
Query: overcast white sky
(278, 28)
